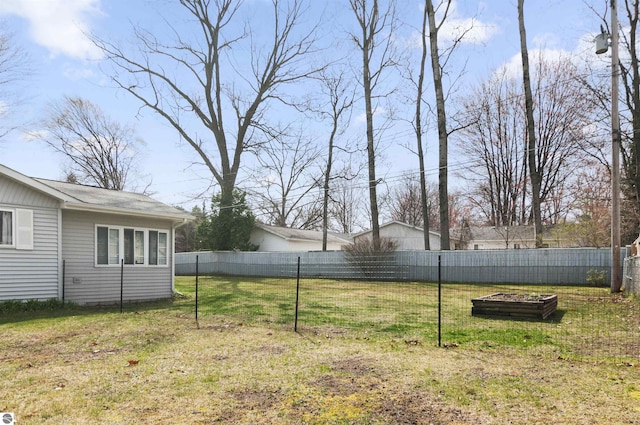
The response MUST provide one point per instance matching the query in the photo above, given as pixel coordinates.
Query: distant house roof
(409, 226)
(302, 235)
(90, 198)
(498, 233)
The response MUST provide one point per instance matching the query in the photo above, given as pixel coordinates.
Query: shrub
(17, 306)
(374, 261)
(597, 277)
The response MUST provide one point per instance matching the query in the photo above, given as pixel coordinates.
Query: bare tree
(216, 105)
(418, 130)
(14, 65)
(534, 170)
(495, 144)
(406, 203)
(458, 210)
(374, 41)
(345, 207)
(443, 135)
(497, 170)
(429, 46)
(591, 226)
(290, 182)
(336, 88)
(563, 111)
(100, 151)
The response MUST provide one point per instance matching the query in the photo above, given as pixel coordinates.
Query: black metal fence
(588, 319)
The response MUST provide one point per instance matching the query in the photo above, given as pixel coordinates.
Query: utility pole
(616, 281)
(602, 46)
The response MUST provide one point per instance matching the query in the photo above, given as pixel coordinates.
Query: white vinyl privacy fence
(527, 266)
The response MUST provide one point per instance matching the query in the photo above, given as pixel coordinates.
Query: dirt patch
(222, 327)
(419, 409)
(345, 386)
(257, 399)
(357, 366)
(359, 380)
(271, 349)
(244, 404)
(349, 376)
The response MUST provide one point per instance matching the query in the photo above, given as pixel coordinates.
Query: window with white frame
(6, 228)
(16, 228)
(133, 246)
(157, 248)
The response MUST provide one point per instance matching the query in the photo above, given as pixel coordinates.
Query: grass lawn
(588, 321)
(244, 365)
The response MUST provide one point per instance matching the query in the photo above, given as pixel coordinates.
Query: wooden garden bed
(515, 305)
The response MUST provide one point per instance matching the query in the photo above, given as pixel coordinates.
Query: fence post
(121, 283)
(295, 324)
(197, 288)
(439, 301)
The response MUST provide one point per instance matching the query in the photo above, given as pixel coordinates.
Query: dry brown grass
(82, 370)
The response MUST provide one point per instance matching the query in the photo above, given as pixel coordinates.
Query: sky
(66, 63)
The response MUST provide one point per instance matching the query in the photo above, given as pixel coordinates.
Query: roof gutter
(176, 218)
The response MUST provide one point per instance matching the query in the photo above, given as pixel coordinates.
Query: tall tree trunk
(531, 128)
(327, 178)
(371, 154)
(371, 24)
(226, 214)
(443, 191)
(423, 179)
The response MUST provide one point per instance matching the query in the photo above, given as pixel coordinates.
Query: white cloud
(267, 180)
(58, 25)
(471, 30)
(545, 40)
(583, 54)
(32, 135)
(514, 65)
(467, 30)
(362, 118)
(75, 73)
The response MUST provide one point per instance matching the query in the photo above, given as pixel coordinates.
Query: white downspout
(60, 253)
(173, 254)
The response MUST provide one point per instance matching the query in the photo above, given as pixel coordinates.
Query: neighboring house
(66, 240)
(280, 239)
(501, 237)
(408, 237)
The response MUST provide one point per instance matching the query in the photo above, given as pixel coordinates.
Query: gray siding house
(96, 233)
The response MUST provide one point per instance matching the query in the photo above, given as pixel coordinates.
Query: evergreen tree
(234, 222)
